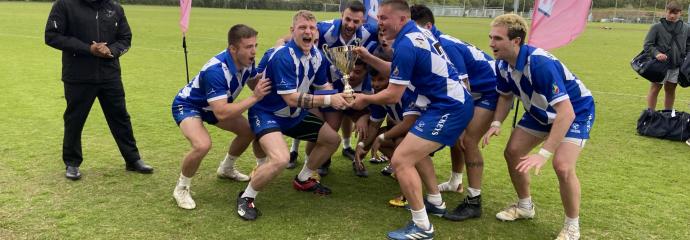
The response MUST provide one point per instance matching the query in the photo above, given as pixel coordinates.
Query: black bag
(684, 73)
(648, 67)
(665, 124)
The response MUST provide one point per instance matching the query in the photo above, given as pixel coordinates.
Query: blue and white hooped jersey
(470, 62)
(218, 79)
(541, 81)
(420, 63)
(329, 34)
(395, 112)
(291, 71)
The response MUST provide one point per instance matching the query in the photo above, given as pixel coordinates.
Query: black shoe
(293, 160)
(139, 166)
(324, 169)
(349, 153)
(72, 173)
(469, 208)
(360, 173)
(246, 209)
(388, 170)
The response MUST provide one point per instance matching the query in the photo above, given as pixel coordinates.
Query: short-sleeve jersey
(218, 79)
(261, 66)
(541, 81)
(395, 112)
(290, 71)
(420, 63)
(329, 32)
(470, 62)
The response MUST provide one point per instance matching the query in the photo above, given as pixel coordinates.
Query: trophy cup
(343, 58)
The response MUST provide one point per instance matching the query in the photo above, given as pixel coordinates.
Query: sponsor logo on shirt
(440, 124)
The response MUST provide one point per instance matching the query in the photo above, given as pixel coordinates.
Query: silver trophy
(343, 58)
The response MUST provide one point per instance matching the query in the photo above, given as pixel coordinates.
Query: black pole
(186, 64)
(517, 108)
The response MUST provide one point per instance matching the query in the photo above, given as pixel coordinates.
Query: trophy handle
(358, 42)
(324, 47)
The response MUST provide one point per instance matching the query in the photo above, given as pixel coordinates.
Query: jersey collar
(408, 27)
(230, 62)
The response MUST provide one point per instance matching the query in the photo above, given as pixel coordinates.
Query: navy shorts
(182, 111)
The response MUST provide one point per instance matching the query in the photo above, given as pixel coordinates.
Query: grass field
(632, 187)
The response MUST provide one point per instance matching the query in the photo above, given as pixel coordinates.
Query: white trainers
(687, 142)
(569, 232)
(513, 212)
(447, 187)
(183, 196)
(232, 173)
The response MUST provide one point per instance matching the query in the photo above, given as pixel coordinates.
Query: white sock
(346, 143)
(525, 203)
(420, 218)
(305, 173)
(474, 192)
(229, 161)
(434, 199)
(249, 192)
(295, 145)
(184, 181)
(455, 179)
(573, 221)
(260, 161)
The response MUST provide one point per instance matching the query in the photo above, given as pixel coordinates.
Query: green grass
(632, 187)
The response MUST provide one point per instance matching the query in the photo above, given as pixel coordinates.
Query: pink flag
(556, 23)
(185, 9)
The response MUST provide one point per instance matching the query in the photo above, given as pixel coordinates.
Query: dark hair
(371, 70)
(400, 5)
(421, 14)
(673, 7)
(239, 32)
(359, 62)
(355, 6)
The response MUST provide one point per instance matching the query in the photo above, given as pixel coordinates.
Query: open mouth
(251, 59)
(307, 40)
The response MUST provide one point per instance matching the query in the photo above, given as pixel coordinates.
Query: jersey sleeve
(214, 85)
(502, 84)
(548, 80)
(402, 66)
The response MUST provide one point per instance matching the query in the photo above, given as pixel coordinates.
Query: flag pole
(186, 63)
(517, 109)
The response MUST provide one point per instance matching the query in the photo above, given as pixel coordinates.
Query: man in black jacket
(667, 42)
(92, 35)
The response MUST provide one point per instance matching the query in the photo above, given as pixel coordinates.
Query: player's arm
(56, 27)
(224, 110)
(564, 118)
(379, 64)
(401, 128)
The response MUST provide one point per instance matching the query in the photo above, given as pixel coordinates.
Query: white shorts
(671, 76)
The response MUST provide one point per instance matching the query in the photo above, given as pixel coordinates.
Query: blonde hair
(516, 25)
(306, 14)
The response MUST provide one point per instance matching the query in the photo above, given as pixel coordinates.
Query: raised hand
(262, 88)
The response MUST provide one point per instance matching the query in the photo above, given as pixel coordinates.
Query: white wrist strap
(496, 124)
(360, 144)
(545, 153)
(327, 100)
(381, 137)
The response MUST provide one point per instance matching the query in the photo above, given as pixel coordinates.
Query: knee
(330, 138)
(511, 153)
(563, 171)
(470, 142)
(279, 160)
(202, 146)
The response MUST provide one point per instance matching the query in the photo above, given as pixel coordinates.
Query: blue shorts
(182, 111)
(445, 126)
(304, 127)
(486, 100)
(579, 129)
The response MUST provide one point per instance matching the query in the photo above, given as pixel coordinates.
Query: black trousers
(80, 98)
